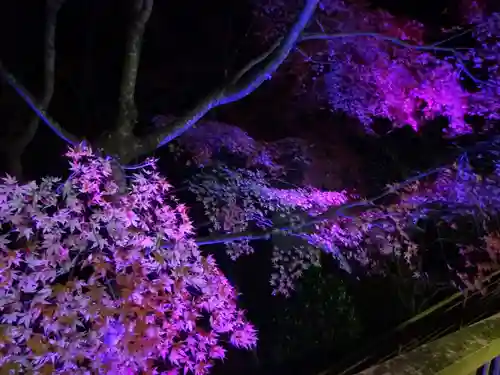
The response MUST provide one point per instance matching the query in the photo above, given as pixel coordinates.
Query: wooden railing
(468, 351)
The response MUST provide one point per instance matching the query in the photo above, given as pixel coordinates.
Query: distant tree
(369, 64)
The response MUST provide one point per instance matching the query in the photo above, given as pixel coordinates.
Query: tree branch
(332, 213)
(431, 48)
(127, 113)
(121, 141)
(260, 69)
(242, 84)
(15, 147)
(39, 106)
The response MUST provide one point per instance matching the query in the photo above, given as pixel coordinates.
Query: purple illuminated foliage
(98, 273)
(266, 200)
(369, 64)
(152, 302)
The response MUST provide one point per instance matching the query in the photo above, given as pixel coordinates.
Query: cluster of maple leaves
(254, 201)
(368, 64)
(97, 281)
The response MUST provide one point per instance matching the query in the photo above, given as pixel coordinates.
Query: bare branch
(242, 84)
(40, 113)
(39, 106)
(127, 113)
(331, 214)
(256, 61)
(323, 36)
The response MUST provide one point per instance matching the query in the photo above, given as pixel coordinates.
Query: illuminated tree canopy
(110, 271)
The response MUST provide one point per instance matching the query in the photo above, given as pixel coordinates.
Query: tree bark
(121, 142)
(14, 145)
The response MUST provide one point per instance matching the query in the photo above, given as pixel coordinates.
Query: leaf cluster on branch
(252, 198)
(86, 284)
(371, 65)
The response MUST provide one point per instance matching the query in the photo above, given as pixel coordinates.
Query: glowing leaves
(370, 64)
(12, 258)
(244, 337)
(123, 269)
(217, 352)
(124, 280)
(177, 355)
(236, 200)
(126, 284)
(100, 263)
(59, 290)
(95, 293)
(10, 318)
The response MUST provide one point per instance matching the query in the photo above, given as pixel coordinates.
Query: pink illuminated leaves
(137, 305)
(367, 235)
(369, 77)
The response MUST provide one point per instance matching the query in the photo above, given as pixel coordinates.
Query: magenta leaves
(86, 284)
(266, 199)
(370, 65)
